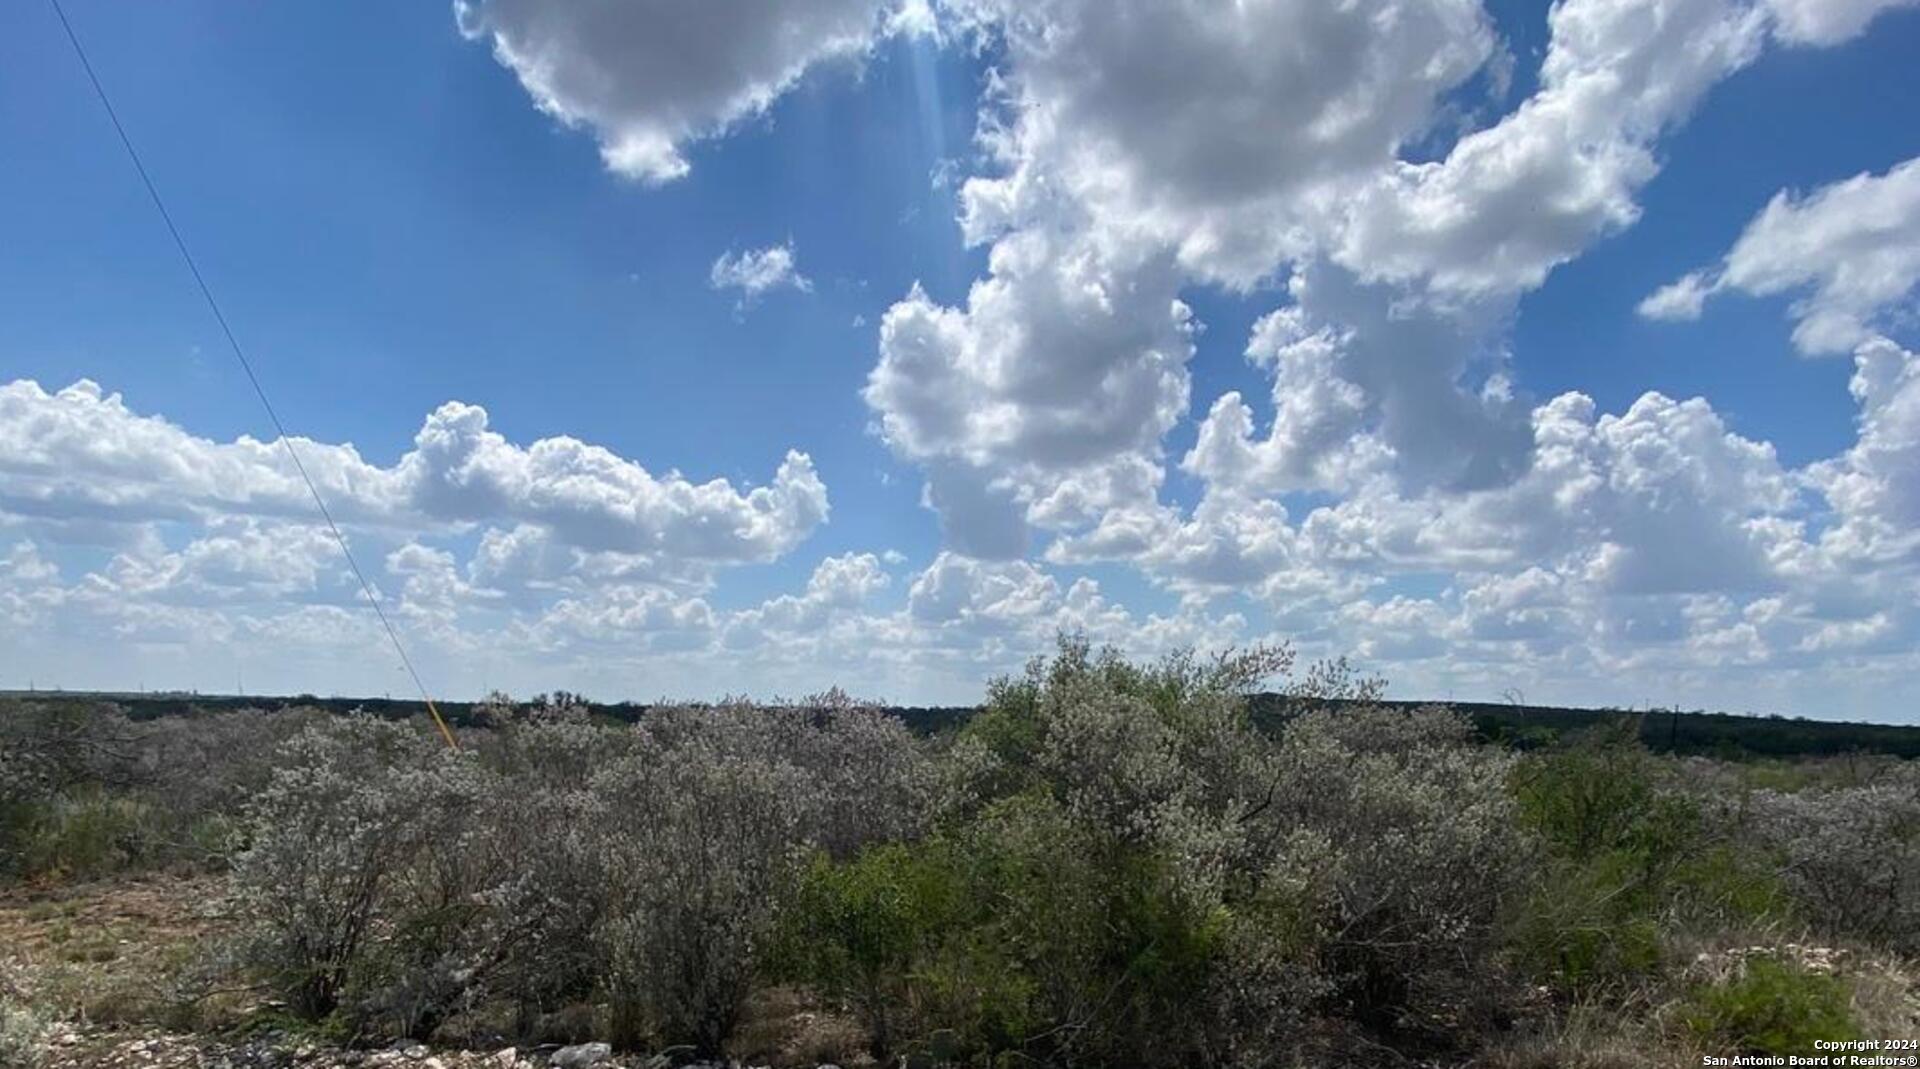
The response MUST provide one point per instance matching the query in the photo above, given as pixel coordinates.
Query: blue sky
(526, 207)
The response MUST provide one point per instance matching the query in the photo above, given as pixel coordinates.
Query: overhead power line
(233, 343)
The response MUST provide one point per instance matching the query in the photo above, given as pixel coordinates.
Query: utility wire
(246, 365)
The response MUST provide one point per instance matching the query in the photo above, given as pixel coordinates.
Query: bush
(389, 883)
(1851, 857)
(361, 881)
(1400, 830)
(1579, 931)
(1593, 794)
(1629, 856)
(1109, 865)
(542, 845)
(1770, 1007)
(1100, 948)
(701, 829)
(203, 769)
(1069, 904)
(86, 794)
(88, 833)
(856, 931)
(1137, 843)
(22, 1030)
(46, 750)
(1018, 933)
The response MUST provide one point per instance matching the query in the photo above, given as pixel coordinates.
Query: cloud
(1367, 383)
(1510, 202)
(639, 618)
(83, 452)
(1193, 131)
(1046, 395)
(1827, 22)
(1852, 247)
(1225, 131)
(1534, 607)
(1357, 171)
(1875, 485)
(1134, 151)
(649, 78)
(1681, 299)
(1590, 559)
(957, 589)
(1141, 149)
(236, 559)
(758, 271)
(839, 590)
(1660, 498)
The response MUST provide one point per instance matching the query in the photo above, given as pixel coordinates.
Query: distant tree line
(1521, 726)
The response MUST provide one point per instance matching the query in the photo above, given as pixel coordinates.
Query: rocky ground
(91, 977)
(67, 1047)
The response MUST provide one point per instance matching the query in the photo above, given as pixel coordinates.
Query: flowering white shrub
(704, 824)
(393, 882)
(696, 838)
(363, 879)
(1402, 829)
(1851, 856)
(46, 747)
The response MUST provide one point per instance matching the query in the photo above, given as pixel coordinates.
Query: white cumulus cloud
(649, 77)
(82, 451)
(1851, 249)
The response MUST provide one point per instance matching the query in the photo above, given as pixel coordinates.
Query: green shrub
(1594, 793)
(1730, 885)
(1630, 858)
(856, 931)
(86, 794)
(1019, 933)
(89, 834)
(22, 1029)
(1357, 865)
(1577, 930)
(1770, 1007)
(1103, 936)
(1105, 812)
(52, 753)
(1599, 925)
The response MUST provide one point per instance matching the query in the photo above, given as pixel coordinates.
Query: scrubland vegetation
(1108, 865)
